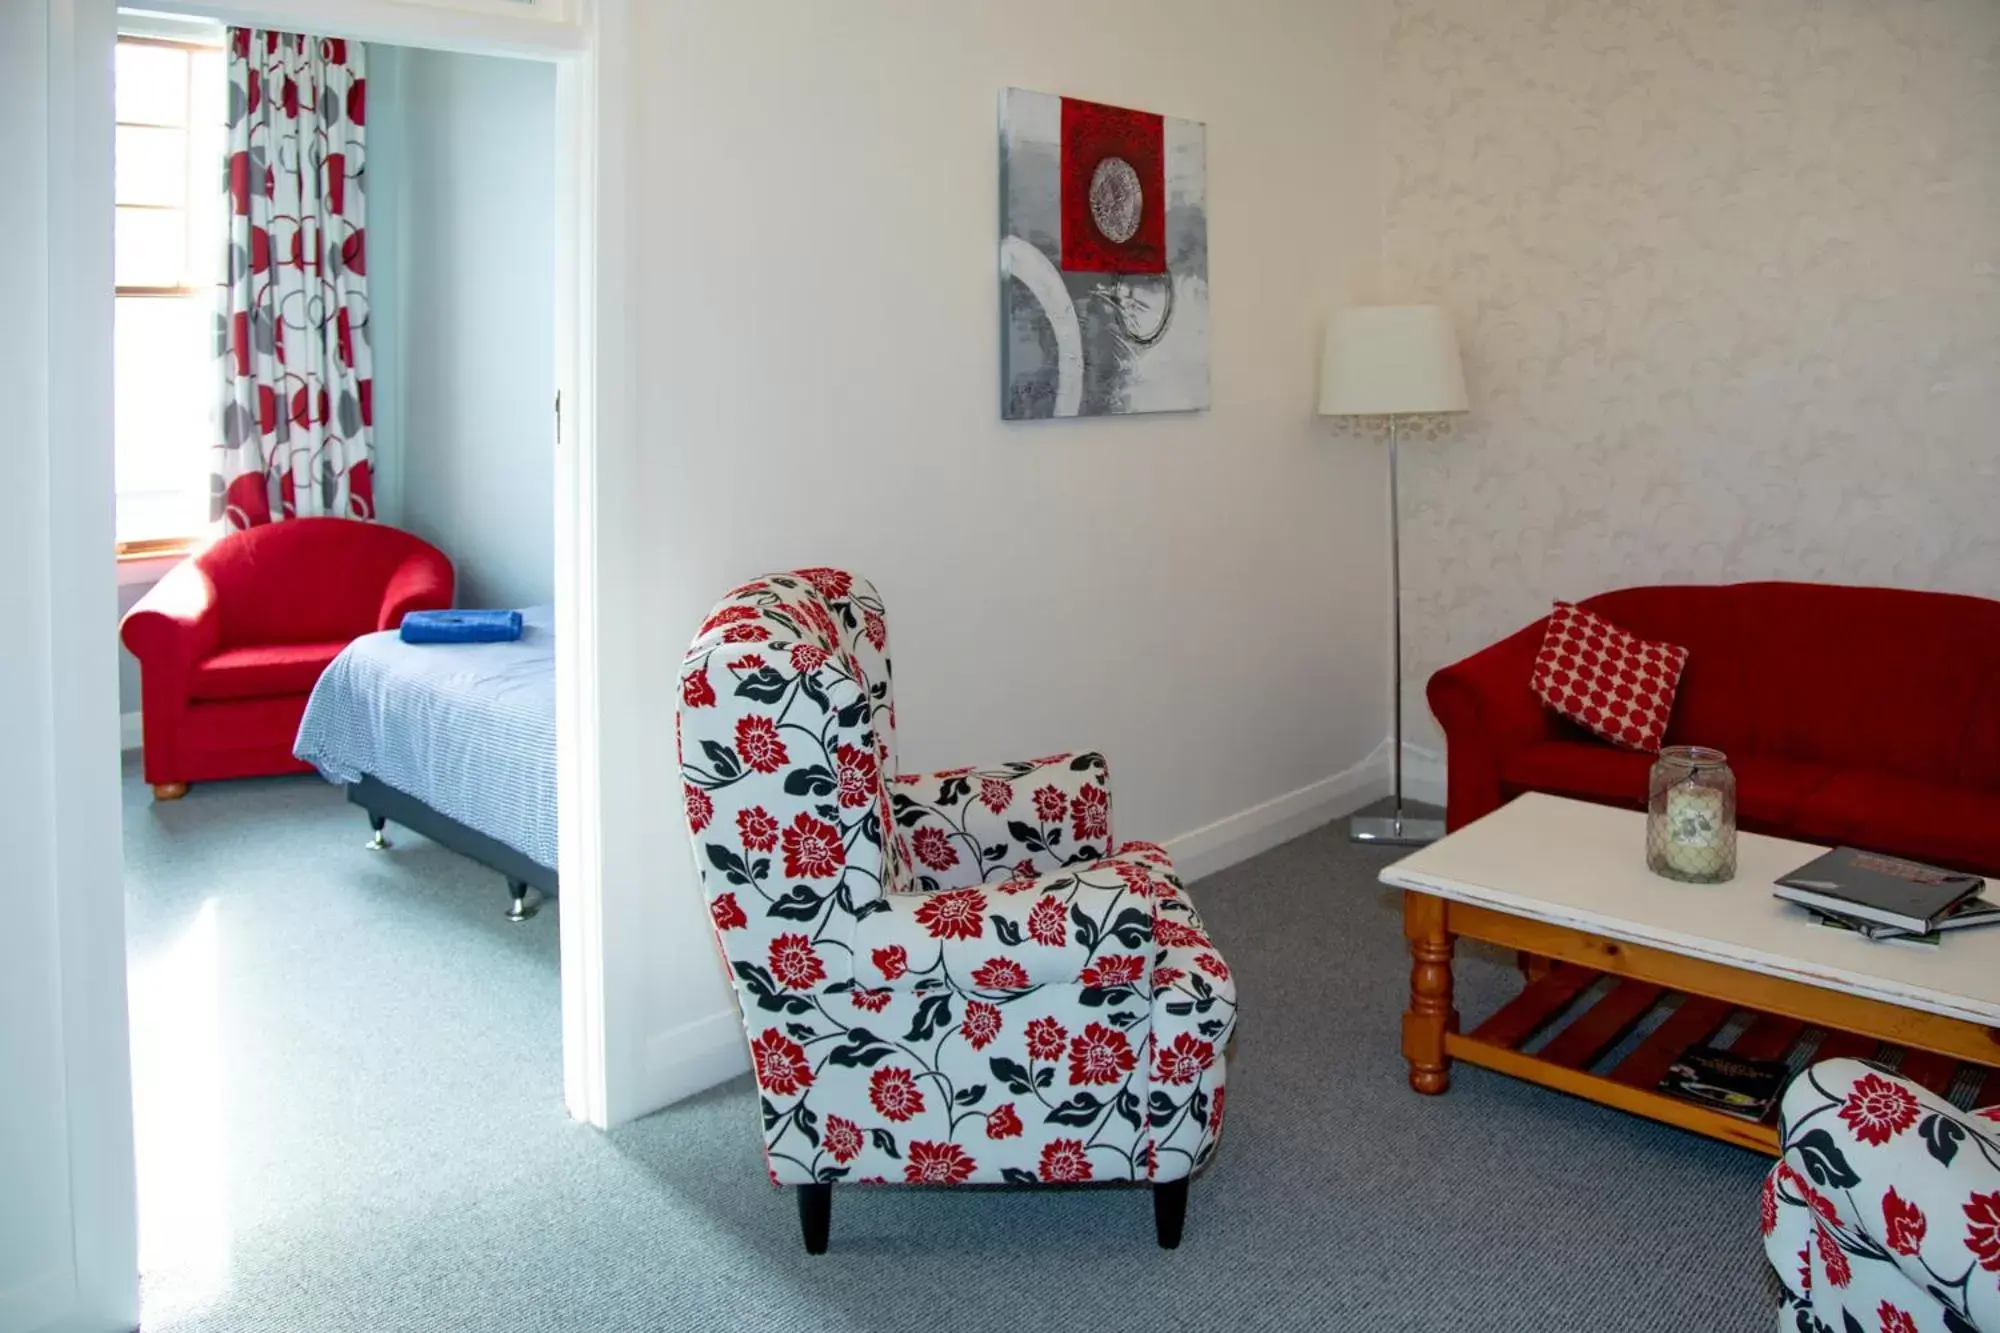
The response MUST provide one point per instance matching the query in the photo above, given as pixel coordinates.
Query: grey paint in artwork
(1109, 350)
(1187, 240)
(1029, 354)
(1029, 171)
(1142, 338)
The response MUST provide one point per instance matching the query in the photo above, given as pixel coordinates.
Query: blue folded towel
(461, 626)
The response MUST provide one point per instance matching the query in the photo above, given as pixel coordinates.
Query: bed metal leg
(526, 902)
(380, 842)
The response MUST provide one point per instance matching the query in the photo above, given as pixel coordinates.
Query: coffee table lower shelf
(1685, 1003)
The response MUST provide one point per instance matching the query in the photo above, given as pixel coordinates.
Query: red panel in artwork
(1114, 220)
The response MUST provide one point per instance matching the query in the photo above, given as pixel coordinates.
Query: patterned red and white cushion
(1607, 679)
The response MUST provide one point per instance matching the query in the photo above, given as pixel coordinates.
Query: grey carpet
(352, 1064)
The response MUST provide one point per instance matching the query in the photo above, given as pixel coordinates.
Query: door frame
(585, 39)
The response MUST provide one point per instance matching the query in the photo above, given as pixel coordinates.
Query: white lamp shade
(1390, 360)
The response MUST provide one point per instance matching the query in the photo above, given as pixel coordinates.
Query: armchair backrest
(306, 580)
(787, 739)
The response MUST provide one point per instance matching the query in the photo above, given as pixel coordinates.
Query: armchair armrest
(1488, 710)
(1089, 925)
(423, 582)
(175, 625)
(1893, 1177)
(967, 826)
(1194, 1016)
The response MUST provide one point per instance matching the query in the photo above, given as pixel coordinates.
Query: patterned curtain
(297, 416)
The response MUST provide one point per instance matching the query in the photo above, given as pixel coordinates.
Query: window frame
(154, 548)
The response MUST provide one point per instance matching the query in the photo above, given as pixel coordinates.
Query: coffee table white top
(1574, 864)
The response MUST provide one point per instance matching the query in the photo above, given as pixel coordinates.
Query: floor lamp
(1391, 363)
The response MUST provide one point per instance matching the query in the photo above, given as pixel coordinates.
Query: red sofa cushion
(263, 671)
(1930, 821)
(1581, 769)
(1777, 796)
(1607, 680)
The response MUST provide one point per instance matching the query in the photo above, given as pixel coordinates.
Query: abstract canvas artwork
(1103, 259)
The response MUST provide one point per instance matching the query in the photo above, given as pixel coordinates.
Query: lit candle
(1694, 829)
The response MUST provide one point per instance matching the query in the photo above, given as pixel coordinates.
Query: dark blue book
(1726, 1082)
(1886, 890)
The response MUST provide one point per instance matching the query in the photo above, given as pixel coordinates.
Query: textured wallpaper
(1727, 282)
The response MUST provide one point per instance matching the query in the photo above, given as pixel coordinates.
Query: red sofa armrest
(1488, 711)
(423, 582)
(175, 625)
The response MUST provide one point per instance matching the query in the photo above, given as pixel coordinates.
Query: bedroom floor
(348, 1079)
(330, 1044)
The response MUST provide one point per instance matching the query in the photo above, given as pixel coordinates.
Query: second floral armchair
(957, 977)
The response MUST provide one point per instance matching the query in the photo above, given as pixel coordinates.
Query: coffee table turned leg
(1430, 1015)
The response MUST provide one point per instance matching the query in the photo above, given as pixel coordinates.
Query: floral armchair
(945, 978)
(1884, 1213)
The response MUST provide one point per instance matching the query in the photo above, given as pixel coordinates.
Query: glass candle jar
(1691, 816)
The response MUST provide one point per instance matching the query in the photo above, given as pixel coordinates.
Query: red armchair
(232, 641)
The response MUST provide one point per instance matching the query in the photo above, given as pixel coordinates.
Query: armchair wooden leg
(815, 1214)
(169, 791)
(1170, 1211)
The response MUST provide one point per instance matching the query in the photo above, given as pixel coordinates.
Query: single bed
(453, 741)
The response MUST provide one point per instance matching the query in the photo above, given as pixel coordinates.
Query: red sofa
(232, 641)
(1867, 716)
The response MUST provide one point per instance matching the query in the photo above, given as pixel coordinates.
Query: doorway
(62, 794)
(314, 1008)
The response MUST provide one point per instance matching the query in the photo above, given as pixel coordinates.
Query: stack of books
(1726, 1082)
(1886, 898)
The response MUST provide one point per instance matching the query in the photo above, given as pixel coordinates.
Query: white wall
(67, 1230)
(1728, 286)
(461, 175)
(816, 349)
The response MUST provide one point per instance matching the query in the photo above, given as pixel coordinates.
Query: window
(170, 232)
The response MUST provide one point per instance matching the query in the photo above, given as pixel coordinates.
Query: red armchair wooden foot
(232, 641)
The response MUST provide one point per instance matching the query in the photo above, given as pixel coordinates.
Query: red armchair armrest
(172, 628)
(175, 625)
(423, 582)
(1488, 711)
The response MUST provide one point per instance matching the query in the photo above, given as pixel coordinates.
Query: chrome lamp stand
(1396, 829)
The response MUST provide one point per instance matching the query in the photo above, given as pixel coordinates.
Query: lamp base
(1397, 830)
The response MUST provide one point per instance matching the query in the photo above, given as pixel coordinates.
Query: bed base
(527, 881)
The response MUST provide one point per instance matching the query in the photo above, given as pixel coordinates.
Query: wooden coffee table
(1566, 883)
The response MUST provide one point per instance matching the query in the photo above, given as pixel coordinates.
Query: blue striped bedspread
(468, 729)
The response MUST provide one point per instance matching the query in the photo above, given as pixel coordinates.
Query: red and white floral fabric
(1606, 679)
(975, 825)
(1884, 1212)
(944, 978)
(296, 430)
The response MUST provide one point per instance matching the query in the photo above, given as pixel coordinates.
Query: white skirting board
(1238, 837)
(706, 1051)
(1246, 833)
(1423, 775)
(683, 1061)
